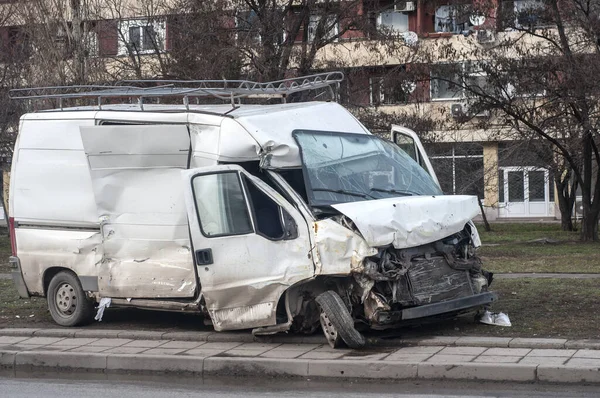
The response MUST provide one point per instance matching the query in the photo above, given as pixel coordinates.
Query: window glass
(469, 176)
(515, 186)
(407, 144)
(452, 19)
(396, 21)
(134, 37)
(501, 186)
(443, 82)
(266, 211)
(221, 205)
(537, 185)
(443, 171)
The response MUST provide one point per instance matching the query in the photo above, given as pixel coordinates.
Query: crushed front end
(440, 278)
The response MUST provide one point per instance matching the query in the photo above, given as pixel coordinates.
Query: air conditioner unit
(457, 111)
(486, 36)
(404, 6)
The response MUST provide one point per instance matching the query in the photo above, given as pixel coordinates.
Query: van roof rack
(231, 90)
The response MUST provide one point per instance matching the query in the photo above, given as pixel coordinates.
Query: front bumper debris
(423, 311)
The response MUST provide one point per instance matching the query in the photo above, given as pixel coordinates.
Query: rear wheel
(67, 302)
(337, 323)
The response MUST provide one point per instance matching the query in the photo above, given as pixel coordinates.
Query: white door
(409, 142)
(526, 192)
(249, 243)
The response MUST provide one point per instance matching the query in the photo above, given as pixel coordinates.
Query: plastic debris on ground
(497, 319)
(104, 304)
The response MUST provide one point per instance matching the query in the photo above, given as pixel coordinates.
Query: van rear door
(409, 142)
(250, 245)
(135, 173)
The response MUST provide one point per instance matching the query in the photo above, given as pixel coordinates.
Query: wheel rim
(330, 331)
(65, 299)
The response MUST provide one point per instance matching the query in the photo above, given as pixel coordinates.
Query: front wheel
(67, 302)
(337, 323)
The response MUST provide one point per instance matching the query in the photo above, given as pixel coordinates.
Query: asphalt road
(106, 386)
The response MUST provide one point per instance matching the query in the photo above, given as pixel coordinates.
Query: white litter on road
(104, 304)
(497, 319)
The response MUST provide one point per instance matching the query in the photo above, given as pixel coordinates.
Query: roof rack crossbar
(227, 90)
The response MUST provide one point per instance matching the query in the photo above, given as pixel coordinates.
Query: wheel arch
(50, 272)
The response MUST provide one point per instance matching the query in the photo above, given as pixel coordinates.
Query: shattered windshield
(344, 167)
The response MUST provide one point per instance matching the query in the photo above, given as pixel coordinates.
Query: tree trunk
(589, 225)
(486, 224)
(566, 186)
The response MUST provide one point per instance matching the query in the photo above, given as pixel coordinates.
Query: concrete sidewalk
(482, 358)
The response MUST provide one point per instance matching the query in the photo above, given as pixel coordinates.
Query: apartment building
(469, 159)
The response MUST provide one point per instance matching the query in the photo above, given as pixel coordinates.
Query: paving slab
(544, 360)
(230, 336)
(364, 356)
(98, 333)
(540, 352)
(362, 369)
(87, 348)
(154, 363)
(7, 359)
(477, 371)
(537, 343)
(145, 343)
(462, 351)
(283, 354)
(410, 358)
(441, 358)
(74, 342)
(186, 345)
(439, 340)
(163, 351)
(314, 354)
(419, 350)
(587, 362)
(42, 340)
(125, 350)
(497, 359)
(11, 339)
(587, 354)
(244, 353)
(521, 352)
(109, 342)
(25, 347)
(201, 352)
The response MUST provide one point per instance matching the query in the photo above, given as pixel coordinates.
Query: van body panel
(44, 248)
(145, 242)
(249, 272)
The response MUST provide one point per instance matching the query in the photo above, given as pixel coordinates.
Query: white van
(266, 217)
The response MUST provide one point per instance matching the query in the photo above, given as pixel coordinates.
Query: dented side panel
(339, 250)
(41, 249)
(135, 177)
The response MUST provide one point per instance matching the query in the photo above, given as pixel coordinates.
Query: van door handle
(204, 257)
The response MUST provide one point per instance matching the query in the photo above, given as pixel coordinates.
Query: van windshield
(345, 167)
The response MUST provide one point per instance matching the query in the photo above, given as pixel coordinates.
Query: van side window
(221, 205)
(267, 213)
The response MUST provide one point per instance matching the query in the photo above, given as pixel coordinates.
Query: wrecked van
(276, 218)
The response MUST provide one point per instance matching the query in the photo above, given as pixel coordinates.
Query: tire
(67, 302)
(337, 323)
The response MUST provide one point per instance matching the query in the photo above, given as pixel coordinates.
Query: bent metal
(285, 217)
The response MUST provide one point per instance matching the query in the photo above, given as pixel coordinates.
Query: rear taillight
(13, 238)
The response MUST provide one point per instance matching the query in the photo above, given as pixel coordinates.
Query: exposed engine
(397, 279)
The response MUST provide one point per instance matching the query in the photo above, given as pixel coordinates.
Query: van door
(136, 179)
(409, 142)
(249, 244)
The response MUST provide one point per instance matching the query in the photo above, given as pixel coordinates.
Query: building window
(459, 167)
(457, 81)
(386, 90)
(331, 28)
(394, 21)
(141, 36)
(530, 14)
(452, 19)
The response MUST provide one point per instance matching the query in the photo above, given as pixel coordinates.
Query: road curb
(303, 368)
(247, 337)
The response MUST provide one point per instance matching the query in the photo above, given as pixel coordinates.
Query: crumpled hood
(412, 220)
